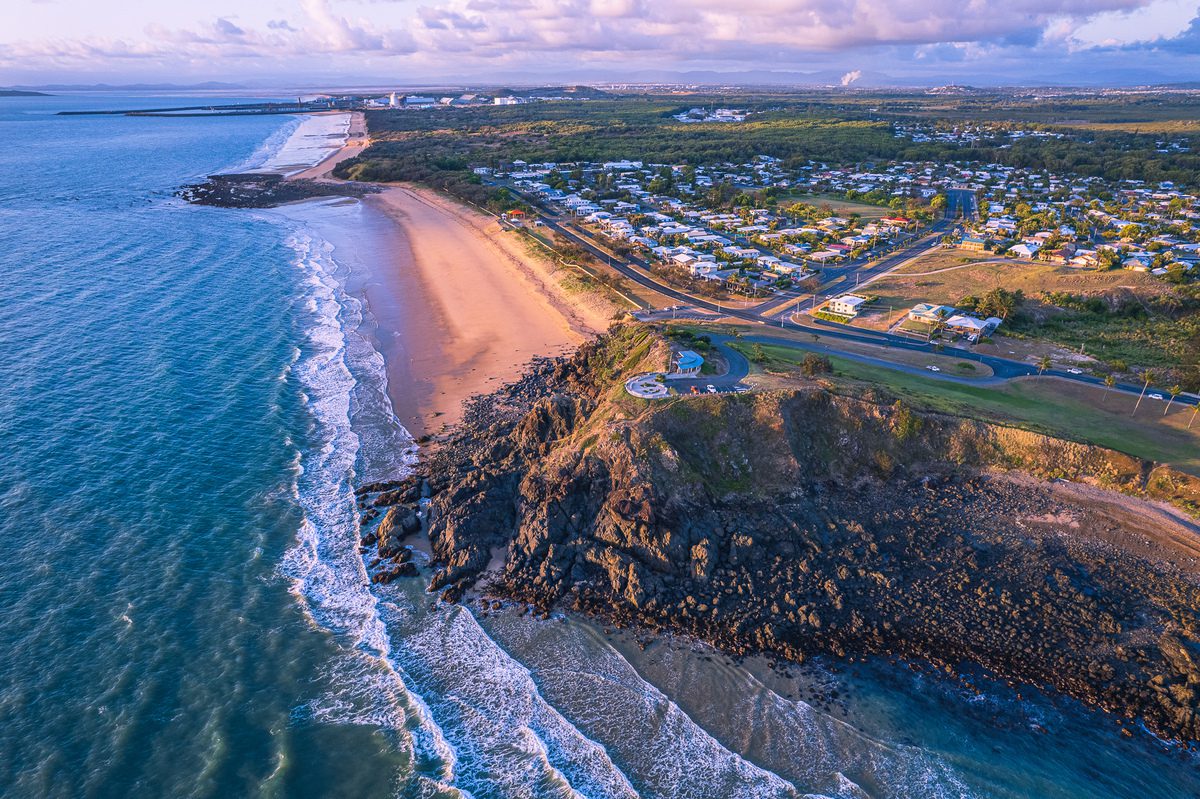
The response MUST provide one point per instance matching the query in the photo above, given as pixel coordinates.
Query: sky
(312, 43)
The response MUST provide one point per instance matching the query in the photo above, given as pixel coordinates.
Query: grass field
(907, 286)
(944, 258)
(1183, 126)
(1057, 407)
(840, 205)
(949, 364)
(947, 287)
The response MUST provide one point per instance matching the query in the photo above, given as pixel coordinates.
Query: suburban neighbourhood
(888, 250)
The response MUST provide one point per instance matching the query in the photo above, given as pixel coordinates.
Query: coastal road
(637, 269)
(824, 349)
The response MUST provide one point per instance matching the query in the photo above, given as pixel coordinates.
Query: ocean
(188, 398)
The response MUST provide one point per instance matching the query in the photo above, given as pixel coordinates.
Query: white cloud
(1161, 19)
(444, 36)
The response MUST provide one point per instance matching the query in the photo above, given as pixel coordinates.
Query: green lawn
(1057, 407)
(840, 205)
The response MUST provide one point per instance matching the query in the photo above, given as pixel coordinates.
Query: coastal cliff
(802, 522)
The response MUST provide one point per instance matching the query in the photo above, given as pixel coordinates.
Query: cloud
(1158, 20)
(479, 36)
(227, 28)
(715, 28)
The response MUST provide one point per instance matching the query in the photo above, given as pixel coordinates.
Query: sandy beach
(462, 303)
(357, 140)
(476, 306)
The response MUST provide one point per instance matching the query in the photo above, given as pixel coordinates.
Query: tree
(1174, 391)
(1109, 382)
(1131, 232)
(1146, 375)
(757, 353)
(1043, 363)
(814, 365)
(997, 302)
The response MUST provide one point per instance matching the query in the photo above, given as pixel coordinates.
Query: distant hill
(21, 93)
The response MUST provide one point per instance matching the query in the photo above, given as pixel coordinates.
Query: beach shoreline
(476, 308)
(356, 141)
(461, 302)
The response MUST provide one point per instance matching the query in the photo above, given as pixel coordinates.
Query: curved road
(961, 202)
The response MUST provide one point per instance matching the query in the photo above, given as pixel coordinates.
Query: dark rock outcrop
(265, 190)
(801, 522)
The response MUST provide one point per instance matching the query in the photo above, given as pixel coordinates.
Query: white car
(933, 368)
(1075, 371)
(713, 390)
(1156, 396)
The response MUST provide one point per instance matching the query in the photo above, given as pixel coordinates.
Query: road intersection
(777, 311)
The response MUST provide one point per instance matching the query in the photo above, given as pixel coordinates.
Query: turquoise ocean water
(188, 397)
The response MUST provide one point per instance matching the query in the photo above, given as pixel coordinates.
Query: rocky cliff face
(803, 522)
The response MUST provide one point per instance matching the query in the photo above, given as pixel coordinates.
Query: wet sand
(357, 140)
(477, 306)
(461, 302)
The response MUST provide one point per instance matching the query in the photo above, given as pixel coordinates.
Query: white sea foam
(308, 142)
(656, 741)
(269, 148)
(492, 711)
(470, 714)
(810, 748)
(326, 572)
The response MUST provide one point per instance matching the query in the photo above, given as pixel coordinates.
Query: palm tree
(1109, 382)
(1043, 364)
(1195, 410)
(1146, 374)
(1174, 391)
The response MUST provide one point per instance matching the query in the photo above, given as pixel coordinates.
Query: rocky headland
(266, 190)
(805, 522)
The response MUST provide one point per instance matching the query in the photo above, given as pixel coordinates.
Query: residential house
(930, 314)
(846, 305)
(972, 327)
(975, 243)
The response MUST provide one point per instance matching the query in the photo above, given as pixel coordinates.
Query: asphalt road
(960, 201)
(739, 367)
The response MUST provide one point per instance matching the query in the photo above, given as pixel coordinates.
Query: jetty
(238, 109)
